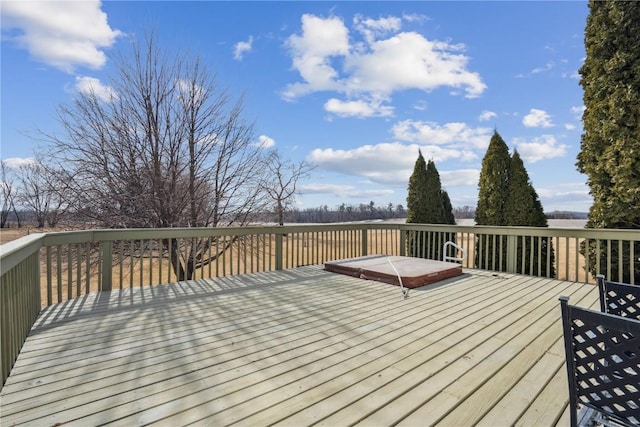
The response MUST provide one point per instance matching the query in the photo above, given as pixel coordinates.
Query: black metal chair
(618, 298)
(603, 366)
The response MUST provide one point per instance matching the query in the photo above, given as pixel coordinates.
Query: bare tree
(42, 193)
(8, 191)
(33, 195)
(282, 181)
(163, 147)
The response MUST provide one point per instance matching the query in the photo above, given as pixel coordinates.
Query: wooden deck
(300, 347)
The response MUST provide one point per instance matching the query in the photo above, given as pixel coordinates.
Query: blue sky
(354, 87)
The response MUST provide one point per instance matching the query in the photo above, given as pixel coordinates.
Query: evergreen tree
(523, 208)
(434, 210)
(493, 191)
(449, 218)
(427, 203)
(494, 183)
(610, 145)
(416, 193)
(507, 198)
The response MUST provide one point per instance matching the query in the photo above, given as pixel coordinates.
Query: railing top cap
(20, 243)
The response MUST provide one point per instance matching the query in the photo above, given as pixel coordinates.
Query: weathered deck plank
(453, 334)
(299, 347)
(448, 379)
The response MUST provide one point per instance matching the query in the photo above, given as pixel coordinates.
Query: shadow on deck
(300, 347)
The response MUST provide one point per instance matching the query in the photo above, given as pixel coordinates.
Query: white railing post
(512, 248)
(106, 265)
(279, 254)
(365, 242)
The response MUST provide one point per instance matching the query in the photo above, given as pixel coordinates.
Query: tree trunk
(174, 258)
(280, 213)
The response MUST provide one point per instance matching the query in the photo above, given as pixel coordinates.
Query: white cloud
(17, 162)
(209, 139)
(547, 67)
(577, 111)
(543, 147)
(414, 17)
(537, 118)
(384, 163)
(574, 75)
(190, 91)
(454, 134)
(59, 33)
(312, 51)
(265, 142)
(384, 62)
(372, 29)
(344, 191)
(370, 194)
(420, 105)
(538, 70)
(460, 177)
(569, 196)
(91, 85)
(563, 190)
(359, 108)
(410, 61)
(241, 48)
(315, 188)
(487, 115)
(392, 163)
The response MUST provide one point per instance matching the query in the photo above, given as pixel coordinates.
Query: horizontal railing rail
(44, 269)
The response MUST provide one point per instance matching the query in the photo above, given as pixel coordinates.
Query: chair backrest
(617, 298)
(603, 363)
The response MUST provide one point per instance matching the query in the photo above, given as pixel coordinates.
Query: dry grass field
(9, 234)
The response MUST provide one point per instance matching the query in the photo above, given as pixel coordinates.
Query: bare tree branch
(282, 182)
(8, 191)
(169, 149)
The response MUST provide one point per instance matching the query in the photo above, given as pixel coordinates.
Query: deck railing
(43, 269)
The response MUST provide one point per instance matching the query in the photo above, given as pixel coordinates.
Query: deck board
(300, 347)
(451, 337)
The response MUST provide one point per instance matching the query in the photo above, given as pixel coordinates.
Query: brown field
(9, 234)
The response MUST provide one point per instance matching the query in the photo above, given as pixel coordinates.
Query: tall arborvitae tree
(427, 203)
(493, 189)
(434, 213)
(417, 202)
(523, 208)
(449, 217)
(494, 183)
(507, 198)
(610, 147)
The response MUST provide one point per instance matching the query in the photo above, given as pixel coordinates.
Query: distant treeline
(361, 212)
(566, 215)
(368, 212)
(323, 214)
(346, 213)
